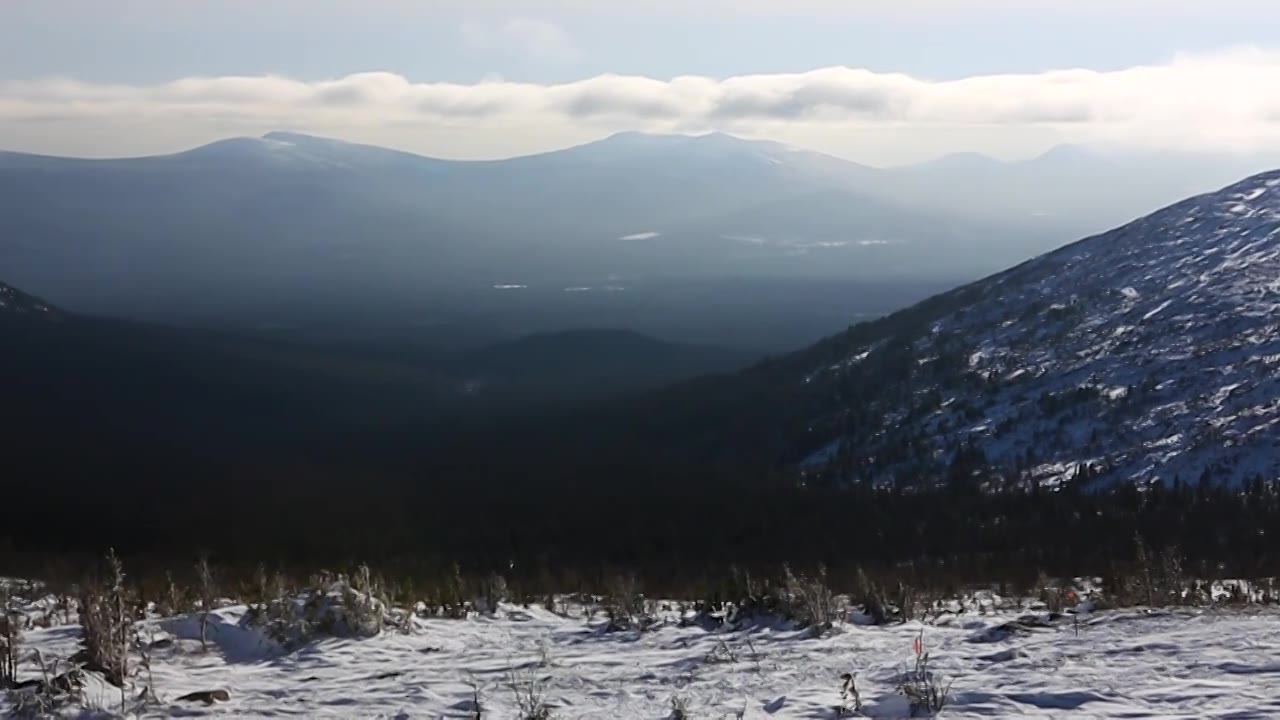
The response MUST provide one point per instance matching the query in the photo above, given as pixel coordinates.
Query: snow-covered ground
(1215, 663)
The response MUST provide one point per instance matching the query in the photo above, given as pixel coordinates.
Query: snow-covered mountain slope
(14, 302)
(1150, 352)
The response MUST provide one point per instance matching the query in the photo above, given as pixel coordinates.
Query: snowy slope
(14, 302)
(1181, 664)
(1149, 352)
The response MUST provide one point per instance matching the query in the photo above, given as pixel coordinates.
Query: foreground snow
(1176, 664)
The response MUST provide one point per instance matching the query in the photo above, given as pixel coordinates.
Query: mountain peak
(636, 137)
(721, 137)
(298, 138)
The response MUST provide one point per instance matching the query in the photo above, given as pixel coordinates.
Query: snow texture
(1216, 663)
(1148, 353)
(15, 302)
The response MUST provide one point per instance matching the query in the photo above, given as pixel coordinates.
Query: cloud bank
(1224, 100)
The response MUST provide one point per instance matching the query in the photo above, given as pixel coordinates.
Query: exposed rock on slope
(16, 302)
(1150, 352)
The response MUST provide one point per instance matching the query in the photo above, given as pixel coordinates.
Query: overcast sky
(882, 81)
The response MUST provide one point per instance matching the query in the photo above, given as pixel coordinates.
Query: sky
(879, 81)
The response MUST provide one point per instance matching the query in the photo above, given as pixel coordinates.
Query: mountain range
(287, 228)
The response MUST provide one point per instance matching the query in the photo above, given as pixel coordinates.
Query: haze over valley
(295, 232)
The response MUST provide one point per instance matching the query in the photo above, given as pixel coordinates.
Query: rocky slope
(14, 302)
(1150, 352)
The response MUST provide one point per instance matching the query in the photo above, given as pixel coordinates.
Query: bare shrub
(274, 611)
(1122, 590)
(1050, 593)
(871, 595)
(144, 667)
(755, 656)
(176, 599)
(721, 654)
(47, 696)
(1174, 579)
(813, 604)
(31, 705)
(530, 696)
(850, 699)
(624, 605)
(106, 622)
(404, 622)
(56, 612)
(925, 693)
(493, 590)
(907, 602)
(1157, 579)
(679, 708)
(454, 603)
(260, 592)
(363, 608)
(1268, 588)
(742, 587)
(10, 636)
(208, 592)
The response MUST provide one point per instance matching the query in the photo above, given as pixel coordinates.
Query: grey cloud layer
(167, 11)
(1233, 93)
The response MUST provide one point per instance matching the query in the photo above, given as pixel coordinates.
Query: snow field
(1212, 663)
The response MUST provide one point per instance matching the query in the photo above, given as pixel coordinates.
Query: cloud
(166, 12)
(1227, 99)
(529, 37)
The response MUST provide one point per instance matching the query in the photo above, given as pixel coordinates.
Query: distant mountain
(293, 222)
(1069, 191)
(289, 229)
(1147, 353)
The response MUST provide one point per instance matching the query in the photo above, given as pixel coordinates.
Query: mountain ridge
(291, 216)
(294, 229)
(284, 136)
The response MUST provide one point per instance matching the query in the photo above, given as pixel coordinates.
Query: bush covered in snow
(333, 605)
